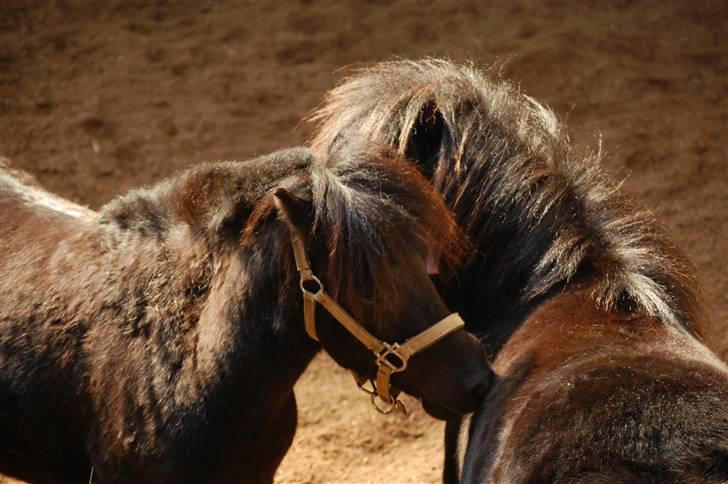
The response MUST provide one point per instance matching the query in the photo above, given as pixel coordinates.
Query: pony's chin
(438, 411)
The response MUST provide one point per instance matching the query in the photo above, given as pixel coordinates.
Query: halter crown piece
(389, 357)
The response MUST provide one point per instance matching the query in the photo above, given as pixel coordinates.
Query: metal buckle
(391, 350)
(310, 278)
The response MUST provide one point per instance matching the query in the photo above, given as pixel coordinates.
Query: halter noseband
(389, 357)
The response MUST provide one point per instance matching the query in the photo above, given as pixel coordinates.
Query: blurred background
(99, 97)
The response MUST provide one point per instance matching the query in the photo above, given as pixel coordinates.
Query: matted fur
(500, 151)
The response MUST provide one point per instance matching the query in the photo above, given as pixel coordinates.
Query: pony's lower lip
(437, 411)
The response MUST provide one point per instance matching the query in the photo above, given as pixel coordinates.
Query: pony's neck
(241, 310)
(492, 291)
(253, 315)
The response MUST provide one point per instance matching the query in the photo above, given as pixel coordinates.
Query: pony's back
(587, 395)
(19, 189)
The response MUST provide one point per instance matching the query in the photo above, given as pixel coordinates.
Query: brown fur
(626, 400)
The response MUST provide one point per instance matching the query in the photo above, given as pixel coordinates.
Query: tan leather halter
(389, 357)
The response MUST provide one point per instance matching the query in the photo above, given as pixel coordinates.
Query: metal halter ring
(313, 279)
(393, 404)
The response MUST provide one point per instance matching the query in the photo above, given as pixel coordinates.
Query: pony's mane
(210, 197)
(381, 218)
(499, 157)
(376, 219)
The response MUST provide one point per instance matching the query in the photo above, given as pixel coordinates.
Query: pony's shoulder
(618, 411)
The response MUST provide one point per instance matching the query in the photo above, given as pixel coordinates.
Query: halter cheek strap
(390, 358)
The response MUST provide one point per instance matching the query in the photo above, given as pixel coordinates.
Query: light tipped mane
(505, 165)
(380, 218)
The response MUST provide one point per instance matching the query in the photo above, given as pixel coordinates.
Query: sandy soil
(98, 98)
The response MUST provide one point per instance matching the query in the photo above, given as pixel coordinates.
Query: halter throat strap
(390, 358)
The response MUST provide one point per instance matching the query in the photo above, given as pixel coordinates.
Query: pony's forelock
(376, 218)
(381, 219)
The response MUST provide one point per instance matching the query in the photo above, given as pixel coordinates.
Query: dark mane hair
(376, 216)
(498, 151)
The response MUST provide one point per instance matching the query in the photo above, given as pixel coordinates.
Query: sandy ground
(96, 98)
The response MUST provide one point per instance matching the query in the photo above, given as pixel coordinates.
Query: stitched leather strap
(309, 315)
(431, 335)
(372, 343)
(412, 346)
(384, 375)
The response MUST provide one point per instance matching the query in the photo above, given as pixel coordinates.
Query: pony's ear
(427, 139)
(292, 209)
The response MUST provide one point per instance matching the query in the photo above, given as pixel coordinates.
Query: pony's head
(370, 221)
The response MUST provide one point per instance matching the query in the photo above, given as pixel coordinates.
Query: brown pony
(589, 312)
(159, 339)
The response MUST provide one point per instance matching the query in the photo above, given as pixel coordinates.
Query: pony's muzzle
(464, 376)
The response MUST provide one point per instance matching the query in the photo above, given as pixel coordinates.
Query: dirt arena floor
(96, 98)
